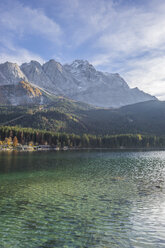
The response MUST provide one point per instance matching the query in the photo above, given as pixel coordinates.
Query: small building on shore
(27, 148)
(42, 147)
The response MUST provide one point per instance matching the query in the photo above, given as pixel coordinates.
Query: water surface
(82, 199)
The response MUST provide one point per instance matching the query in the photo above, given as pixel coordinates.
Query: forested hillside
(73, 117)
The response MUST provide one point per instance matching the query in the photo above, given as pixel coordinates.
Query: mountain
(52, 77)
(79, 81)
(103, 89)
(71, 117)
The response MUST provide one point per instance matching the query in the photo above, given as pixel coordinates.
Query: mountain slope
(145, 117)
(71, 117)
(21, 94)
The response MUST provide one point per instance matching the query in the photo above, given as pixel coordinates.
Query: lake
(103, 199)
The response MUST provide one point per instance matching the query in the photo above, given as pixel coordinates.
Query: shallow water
(82, 199)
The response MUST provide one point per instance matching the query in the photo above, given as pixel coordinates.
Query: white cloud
(135, 31)
(22, 20)
(148, 74)
(19, 56)
(18, 23)
(133, 44)
(85, 19)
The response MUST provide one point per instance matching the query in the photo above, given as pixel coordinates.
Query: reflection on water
(82, 199)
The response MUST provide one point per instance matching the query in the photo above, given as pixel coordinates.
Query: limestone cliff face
(82, 82)
(103, 89)
(10, 73)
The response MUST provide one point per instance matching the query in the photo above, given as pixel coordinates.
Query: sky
(118, 36)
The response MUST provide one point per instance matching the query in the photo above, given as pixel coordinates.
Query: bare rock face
(103, 89)
(79, 81)
(63, 83)
(10, 73)
(36, 75)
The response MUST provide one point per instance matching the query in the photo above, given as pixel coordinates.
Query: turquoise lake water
(100, 199)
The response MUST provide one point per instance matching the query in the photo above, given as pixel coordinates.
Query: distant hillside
(72, 117)
(146, 118)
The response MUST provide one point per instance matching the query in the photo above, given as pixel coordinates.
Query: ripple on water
(83, 199)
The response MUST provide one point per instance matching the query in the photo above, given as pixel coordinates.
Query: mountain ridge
(79, 81)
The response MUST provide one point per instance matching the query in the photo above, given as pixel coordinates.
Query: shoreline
(33, 149)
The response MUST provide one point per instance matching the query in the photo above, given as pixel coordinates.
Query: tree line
(43, 137)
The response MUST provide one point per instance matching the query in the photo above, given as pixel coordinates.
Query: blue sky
(124, 36)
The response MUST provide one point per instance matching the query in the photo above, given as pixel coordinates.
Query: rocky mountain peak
(79, 62)
(10, 73)
(80, 65)
(31, 66)
(84, 73)
(36, 63)
(52, 65)
(10, 64)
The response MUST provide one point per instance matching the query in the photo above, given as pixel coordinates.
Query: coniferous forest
(42, 137)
